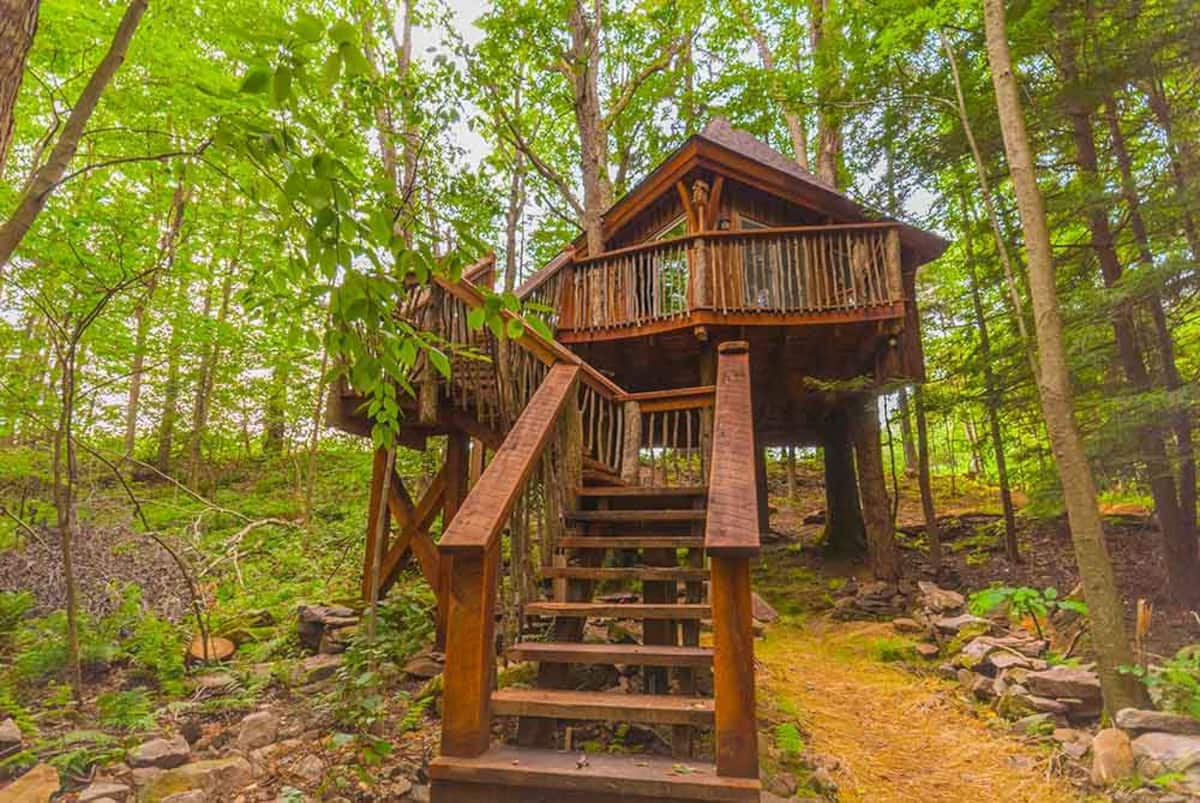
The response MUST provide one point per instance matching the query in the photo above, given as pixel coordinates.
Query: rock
(1160, 753)
(823, 780)
(906, 625)
(104, 789)
(218, 778)
(425, 665)
(1033, 725)
(927, 650)
(144, 776)
(783, 784)
(191, 796)
(761, 609)
(419, 794)
(1141, 721)
(215, 684)
(314, 620)
(35, 786)
(1046, 704)
(401, 787)
(335, 641)
(1075, 743)
(953, 624)
(10, 735)
(1112, 757)
(311, 769)
(939, 600)
(160, 753)
(258, 730)
(1065, 681)
(318, 668)
(1003, 660)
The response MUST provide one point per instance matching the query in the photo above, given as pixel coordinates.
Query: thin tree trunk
(206, 380)
(315, 438)
(933, 536)
(584, 59)
(50, 174)
(1171, 376)
(64, 503)
(275, 415)
(1183, 561)
(170, 408)
(883, 554)
(829, 133)
(845, 531)
(142, 316)
(906, 435)
(991, 389)
(512, 221)
(790, 468)
(1180, 160)
(791, 116)
(18, 24)
(1054, 385)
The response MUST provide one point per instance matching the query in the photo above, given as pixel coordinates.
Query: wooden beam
(732, 521)
(714, 203)
(689, 211)
(456, 470)
(736, 739)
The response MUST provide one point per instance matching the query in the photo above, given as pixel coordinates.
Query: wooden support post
(471, 640)
(457, 445)
(708, 376)
(736, 742)
(633, 443)
(475, 465)
(895, 282)
(763, 489)
(378, 470)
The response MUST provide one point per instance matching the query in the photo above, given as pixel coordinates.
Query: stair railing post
(733, 667)
(631, 442)
(470, 672)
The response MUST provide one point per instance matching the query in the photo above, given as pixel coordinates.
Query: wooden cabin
(740, 303)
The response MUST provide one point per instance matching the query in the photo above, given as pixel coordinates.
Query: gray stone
(762, 610)
(1112, 757)
(1141, 721)
(1065, 681)
(215, 683)
(926, 650)
(35, 786)
(319, 667)
(939, 599)
(1160, 753)
(104, 789)
(953, 624)
(311, 769)
(401, 787)
(907, 625)
(190, 796)
(1033, 725)
(1002, 660)
(10, 734)
(258, 730)
(426, 665)
(160, 753)
(218, 778)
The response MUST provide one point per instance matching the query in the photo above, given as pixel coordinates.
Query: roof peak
(724, 133)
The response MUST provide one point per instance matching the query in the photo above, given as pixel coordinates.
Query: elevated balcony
(763, 276)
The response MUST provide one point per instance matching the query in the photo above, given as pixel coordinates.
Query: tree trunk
(1181, 160)
(790, 467)
(50, 174)
(315, 439)
(906, 435)
(64, 503)
(933, 536)
(883, 554)
(205, 381)
(791, 116)
(825, 57)
(512, 221)
(142, 316)
(1183, 561)
(1054, 385)
(18, 24)
(1171, 376)
(170, 408)
(275, 414)
(1011, 549)
(593, 136)
(845, 531)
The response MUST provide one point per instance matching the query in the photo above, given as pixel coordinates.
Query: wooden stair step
(643, 490)
(650, 709)
(629, 610)
(504, 774)
(651, 573)
(573, 652)
(632, 542)
(626, 516)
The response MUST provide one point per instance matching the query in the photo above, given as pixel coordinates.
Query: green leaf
(256, 81)
(331, 70)
(476, 317)
(514, 328)
(281, 86)
(540, 326)
(343, 32)
(308, 27)
(356, 62)
(440, 362)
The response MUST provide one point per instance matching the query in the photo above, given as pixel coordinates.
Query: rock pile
(1160, 745)
(326, 629)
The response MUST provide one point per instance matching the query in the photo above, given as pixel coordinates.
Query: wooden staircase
(679, 556)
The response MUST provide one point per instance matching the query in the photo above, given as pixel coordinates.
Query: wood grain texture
(629, 610)
(733, 498)
(489, 504)
(623, 654)
(470, 652)
(736, 740)
(650, 709)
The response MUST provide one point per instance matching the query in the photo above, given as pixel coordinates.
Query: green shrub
(129, 711)
(890, 650)
(13, 607)
(789, 740)
(1022, 602)
(1174, 685)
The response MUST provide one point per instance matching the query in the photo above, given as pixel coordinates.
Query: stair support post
(736, 740)
(471, 639)
(631, 442)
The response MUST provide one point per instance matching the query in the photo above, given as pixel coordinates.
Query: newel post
(470, 652)
(631, 442)
(731, 539)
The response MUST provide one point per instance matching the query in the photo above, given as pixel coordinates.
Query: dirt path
(896, 736)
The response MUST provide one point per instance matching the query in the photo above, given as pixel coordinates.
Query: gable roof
(743, 157)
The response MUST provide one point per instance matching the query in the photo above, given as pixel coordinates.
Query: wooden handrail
(674, 399)
(718, 234)
(732, 527)
(486, 509)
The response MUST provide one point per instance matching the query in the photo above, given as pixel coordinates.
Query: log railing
(672, 429)
(804, 269)
(472, 540)
(731, 540)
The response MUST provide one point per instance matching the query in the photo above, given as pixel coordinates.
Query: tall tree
(1054, 383)
(18, 24)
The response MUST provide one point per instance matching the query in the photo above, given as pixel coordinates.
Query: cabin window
(755, 265)
(660, 275)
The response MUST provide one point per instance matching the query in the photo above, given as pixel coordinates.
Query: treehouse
(616, 472)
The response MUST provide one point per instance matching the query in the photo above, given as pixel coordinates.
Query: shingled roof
(722, 132)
